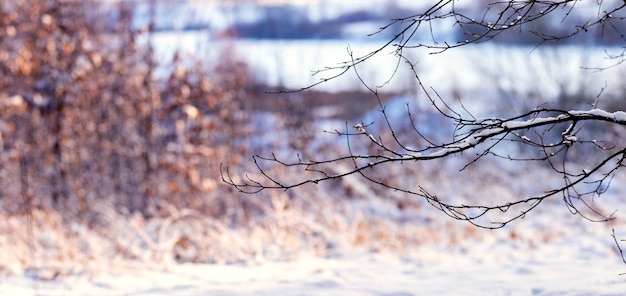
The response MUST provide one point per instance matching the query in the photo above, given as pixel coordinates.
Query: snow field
(361, 245)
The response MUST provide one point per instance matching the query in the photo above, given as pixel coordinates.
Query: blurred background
(116, 116)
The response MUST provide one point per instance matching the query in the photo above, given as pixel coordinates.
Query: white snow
(594, 112)
(574, 264)
(526, 71)
(618, 116)
(550, 252)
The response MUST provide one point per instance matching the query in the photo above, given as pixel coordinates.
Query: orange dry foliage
(83, 118)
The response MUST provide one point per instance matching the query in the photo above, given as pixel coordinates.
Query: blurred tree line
(289, 21)
(558, 22)
(82, 117)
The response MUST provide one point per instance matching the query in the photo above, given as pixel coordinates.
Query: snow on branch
(554, 138)
(481, 136)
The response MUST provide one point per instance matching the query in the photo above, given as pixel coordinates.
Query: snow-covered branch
(581, 147)
(478, 137)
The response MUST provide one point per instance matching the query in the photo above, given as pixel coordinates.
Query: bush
(83, 118)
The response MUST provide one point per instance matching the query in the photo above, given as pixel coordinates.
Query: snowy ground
(555, 269)
(551, 253)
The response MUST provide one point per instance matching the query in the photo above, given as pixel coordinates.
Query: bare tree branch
(552, 137)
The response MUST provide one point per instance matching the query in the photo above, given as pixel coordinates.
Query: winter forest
(322, 147)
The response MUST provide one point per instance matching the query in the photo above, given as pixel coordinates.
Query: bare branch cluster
(553, 137)
(422, 30)
(477, 137)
